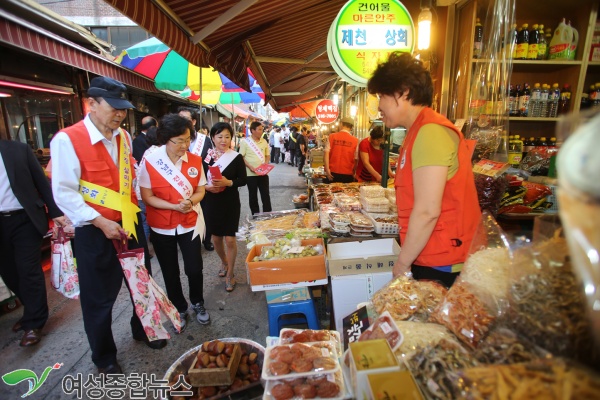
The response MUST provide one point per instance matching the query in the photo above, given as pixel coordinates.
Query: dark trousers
(165, 247)
(262, 184)
(293, 157)
(100, 280)
(208, 235)
(342, 178)
(283, 156)
(21, 269)
(301, 160)
(431, 274)
(275, 155)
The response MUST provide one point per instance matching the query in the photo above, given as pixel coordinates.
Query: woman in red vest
(438, 211)
(172, 184)
(370, 157)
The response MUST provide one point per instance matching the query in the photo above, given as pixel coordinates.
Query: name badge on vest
(192, 172)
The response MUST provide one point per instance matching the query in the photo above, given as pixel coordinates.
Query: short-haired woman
(222, 203)
(172, 183)
(370, 157)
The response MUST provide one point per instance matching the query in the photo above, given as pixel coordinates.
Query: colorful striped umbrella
(170, 71)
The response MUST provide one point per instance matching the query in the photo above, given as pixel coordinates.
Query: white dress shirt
(144, 181)
(66, 173)
(8, 200)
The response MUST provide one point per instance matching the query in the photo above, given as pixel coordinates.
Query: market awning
(227, 109)
(24, 35)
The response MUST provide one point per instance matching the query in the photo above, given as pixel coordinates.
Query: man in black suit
(139, 144)
(24, 191)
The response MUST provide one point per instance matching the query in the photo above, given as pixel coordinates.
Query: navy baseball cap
(112, 91)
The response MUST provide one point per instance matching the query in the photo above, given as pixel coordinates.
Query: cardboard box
(348, 291)
(368, 256)
(274, 286)
(367, 358)
(399, 385)
(286, 271)
(285, 295)
(216, 376)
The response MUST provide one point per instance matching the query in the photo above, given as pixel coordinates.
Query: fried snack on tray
(464, 314)
(543, 379)
(405, 298)
(435, 368)
(311, 219)
(287, 222)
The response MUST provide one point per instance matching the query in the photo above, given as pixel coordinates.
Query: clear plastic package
(369, 191)
(299, 360)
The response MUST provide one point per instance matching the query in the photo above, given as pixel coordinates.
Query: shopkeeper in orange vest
(341, 154)
(92, 183)
(172, 184)
(438, 211)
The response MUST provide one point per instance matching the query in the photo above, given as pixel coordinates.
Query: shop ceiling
(283, 42)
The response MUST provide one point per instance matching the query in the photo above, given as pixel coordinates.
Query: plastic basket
(382, 228)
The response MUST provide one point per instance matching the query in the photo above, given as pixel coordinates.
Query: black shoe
(209, 246)
(155, 344)
(111, 369)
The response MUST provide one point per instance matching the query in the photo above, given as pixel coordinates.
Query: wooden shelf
(532, 119)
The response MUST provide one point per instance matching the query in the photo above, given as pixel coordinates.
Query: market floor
(242, 313)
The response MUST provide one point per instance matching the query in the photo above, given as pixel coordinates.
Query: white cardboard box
(349, 290)
(367, 256)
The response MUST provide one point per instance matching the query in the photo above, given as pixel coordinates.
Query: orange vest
(451, 238)
(169, 219)
(97, 166)
(342, 149)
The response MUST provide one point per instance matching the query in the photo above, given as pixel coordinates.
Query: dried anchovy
(548, 308)
(503, 346)
(435, 368)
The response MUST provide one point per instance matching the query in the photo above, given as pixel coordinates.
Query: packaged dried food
(535, 191)
(359, 220)
(465, 314)
(360, 233)
(417, 335)
(298, 360)
(311, 219)
(347, 203)
(406, 298)
(383, 223)
(503, 346)
(435, 368)
(487, 271)
(390, 194)
(290, 335)
(369, 191)
(547, 303)
(375, 204)
(339, 218)
(553, 379)
(325, 386)
(384, 327)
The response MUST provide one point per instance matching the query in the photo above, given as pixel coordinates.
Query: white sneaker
(201, 314)
(184, 320)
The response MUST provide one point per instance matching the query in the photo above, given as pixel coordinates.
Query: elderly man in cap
(341, 154)
(95, 153)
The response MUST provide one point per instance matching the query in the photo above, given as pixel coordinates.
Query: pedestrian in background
(24, 190)
(370, 157)
(301, 150)
(256, 152)
(222, 207)
(94, 155)
(293, 144)
(341, 153)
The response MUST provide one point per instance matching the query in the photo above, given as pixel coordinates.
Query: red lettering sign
(327, 112)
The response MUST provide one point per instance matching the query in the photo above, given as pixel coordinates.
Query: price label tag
(296, 249)
(355, 324)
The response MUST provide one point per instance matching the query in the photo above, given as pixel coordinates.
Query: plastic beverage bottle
(478, 42)
(515, 151)
(534, 101)
(541, 142)
(523, 42)
(564, 103)
(528, 145)
(513, 102)
(513, 42)
(553, 99)
(542, 45)
(544, 100)
(560, 45)
(548, 36)
(534, 40)
(524, 97)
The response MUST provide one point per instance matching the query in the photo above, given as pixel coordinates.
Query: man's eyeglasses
(181, 142)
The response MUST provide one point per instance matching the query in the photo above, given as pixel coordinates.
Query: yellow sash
(118, 201)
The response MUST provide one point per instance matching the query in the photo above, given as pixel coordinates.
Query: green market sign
(364, 33)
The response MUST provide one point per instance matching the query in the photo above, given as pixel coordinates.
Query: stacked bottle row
(591, 99)
(543, 101)
(534, 43)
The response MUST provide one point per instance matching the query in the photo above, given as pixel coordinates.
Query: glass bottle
(523, 42)
(534, 40)
(524, 97)
(478, 42)
(564, 104)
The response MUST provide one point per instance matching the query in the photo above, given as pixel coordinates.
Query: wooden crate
(216, 376)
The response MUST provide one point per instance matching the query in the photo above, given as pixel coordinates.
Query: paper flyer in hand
(263, 169)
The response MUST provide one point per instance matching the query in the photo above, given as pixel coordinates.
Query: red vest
(451, 238)
(169, 219)
(97, 166)
(342, 149)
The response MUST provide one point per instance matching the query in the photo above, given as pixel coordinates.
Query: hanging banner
(326, 111)
(364, 33)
